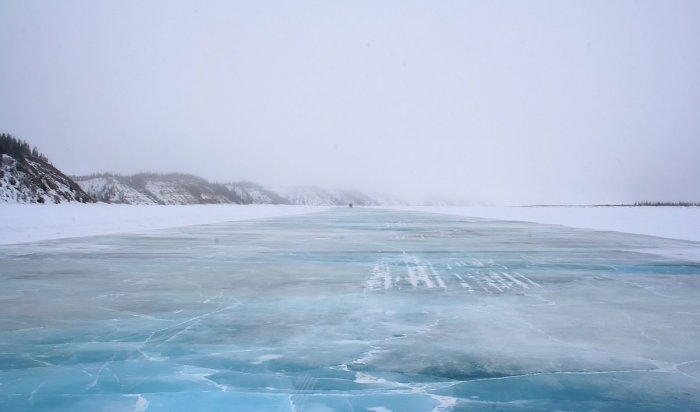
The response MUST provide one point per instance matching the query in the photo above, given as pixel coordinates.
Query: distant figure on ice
(350, 205)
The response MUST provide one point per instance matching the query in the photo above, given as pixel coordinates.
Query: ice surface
(351, 310)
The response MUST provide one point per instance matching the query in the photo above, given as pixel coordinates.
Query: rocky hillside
(26, 176)
(171, 189)
(180, 189)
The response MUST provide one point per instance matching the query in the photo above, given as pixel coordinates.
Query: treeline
(646, 203)
(18, 149)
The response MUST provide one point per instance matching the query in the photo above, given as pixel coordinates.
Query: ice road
(351, 310)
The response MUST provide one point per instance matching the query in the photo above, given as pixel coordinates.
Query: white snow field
(666, 221)
(350, 310)
(29, 223)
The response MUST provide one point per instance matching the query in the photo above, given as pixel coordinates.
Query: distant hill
(181, 189)
(172, 189)
(252, 193)
(155, 189)
(315, 196)
(26, 176)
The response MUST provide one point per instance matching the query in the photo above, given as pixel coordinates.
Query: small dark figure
(350, 205)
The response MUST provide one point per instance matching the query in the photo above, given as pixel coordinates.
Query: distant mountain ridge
(182, 189)
(158, 189)
(26, 176)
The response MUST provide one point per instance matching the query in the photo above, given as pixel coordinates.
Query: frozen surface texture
(351, 310)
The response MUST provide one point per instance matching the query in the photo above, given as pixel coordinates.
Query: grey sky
(513, 102)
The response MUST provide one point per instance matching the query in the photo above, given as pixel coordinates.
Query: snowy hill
(110, 189)
(315, 196)
(159, 189)
(182, 189)
(36, 181)
(252, 193)
(26, 176)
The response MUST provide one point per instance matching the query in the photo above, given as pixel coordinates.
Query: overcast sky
(513, 102)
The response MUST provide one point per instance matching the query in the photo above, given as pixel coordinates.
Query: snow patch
(23, 223)
(366, 378)
(266, 358)
(667, 221)
(141, 404)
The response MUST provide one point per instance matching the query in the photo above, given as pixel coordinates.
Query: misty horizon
(517, 103)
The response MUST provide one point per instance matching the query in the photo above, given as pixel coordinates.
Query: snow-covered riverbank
(669, 222)
(22, 223)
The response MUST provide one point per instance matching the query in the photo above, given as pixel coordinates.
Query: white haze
(510, 102)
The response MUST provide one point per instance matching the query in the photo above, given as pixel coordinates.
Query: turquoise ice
(351, 310)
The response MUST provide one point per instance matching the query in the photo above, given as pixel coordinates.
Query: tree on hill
(19, 149)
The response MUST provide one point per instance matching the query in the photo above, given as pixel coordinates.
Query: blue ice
(351, 310)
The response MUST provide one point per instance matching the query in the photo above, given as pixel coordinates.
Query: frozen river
(351, 310)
